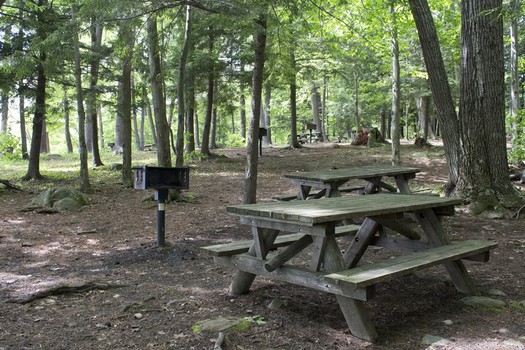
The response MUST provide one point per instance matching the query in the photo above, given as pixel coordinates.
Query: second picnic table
(329, 181)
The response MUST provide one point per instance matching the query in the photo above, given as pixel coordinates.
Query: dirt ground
(138, 296)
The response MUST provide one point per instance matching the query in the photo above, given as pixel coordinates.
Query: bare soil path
(110, 287)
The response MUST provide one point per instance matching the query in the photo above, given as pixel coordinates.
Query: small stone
(503, 330)
(277, 304)
(138, 316)
(448, 322)
(484, 302)
(496, 292)
(429, 339)
(51, 301)
(512, 342)
(116, 296)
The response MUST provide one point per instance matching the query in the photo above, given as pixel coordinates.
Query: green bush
(234, 140)
(10, 146)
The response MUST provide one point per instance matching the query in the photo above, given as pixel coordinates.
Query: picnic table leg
(305, 190)
(354, 311)
(243, 280)
(402, 184)
(360, 242)
(432, 227)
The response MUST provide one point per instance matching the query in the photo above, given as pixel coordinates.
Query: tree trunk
(514, 104)
(179, 154)
(92, 98)
(33, 169)
(316, 99)
(85, 186)
(422, 105)
(437, 75)
(134, 117)
(396, 92)
(294, 143)
(358, 126)
(267, 140)
(126, 36)
(159, 101)
(196, 127)
(324, 115)
(100, 127)
(23, 136)
(484, 173)
(214, 127)
(5, 113)
(67, 130)
(242, 107)
(190, 112)
(252, 157)
(205, 145)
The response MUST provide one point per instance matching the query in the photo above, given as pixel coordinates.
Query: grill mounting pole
(161, 195)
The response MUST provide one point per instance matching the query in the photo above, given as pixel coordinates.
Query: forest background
(181, 76)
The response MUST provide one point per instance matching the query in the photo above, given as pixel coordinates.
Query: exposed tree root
(66, 289)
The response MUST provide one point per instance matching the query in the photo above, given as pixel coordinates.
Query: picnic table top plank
(362, 172)
(314, 212)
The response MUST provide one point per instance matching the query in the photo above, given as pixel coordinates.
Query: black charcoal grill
(161, 180)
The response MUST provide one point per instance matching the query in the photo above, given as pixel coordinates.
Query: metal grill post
(161, 195)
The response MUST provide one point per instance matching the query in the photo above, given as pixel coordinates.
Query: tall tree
(84, 174)
(396, 90)
(514, 101)
(157, 91)
(484, 174)
(33, 169)
(206, 130)
(252, 157)
(92, 97)
(126, 38)
(439, 85)
(179, 156)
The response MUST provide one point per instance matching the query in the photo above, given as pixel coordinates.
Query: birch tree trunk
(396, 92)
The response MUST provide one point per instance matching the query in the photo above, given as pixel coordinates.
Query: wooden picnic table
(281, 230)
(329, 181)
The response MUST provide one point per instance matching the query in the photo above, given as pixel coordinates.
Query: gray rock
(429, 339)
(61, 198)
(277, 304)
(496, 292)
(484, 303)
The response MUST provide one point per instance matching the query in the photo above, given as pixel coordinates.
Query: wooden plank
(289, 197)
(363, 276)
(362, 172)
(240, 247)
(292, 274)
(290, 251)
(341, 208)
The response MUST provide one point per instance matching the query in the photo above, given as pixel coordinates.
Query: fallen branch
(517, 213)
(219, 341)
(66, 289)
(10, 186)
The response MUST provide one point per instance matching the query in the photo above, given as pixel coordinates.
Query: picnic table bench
(282, 230)
(330, 182)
